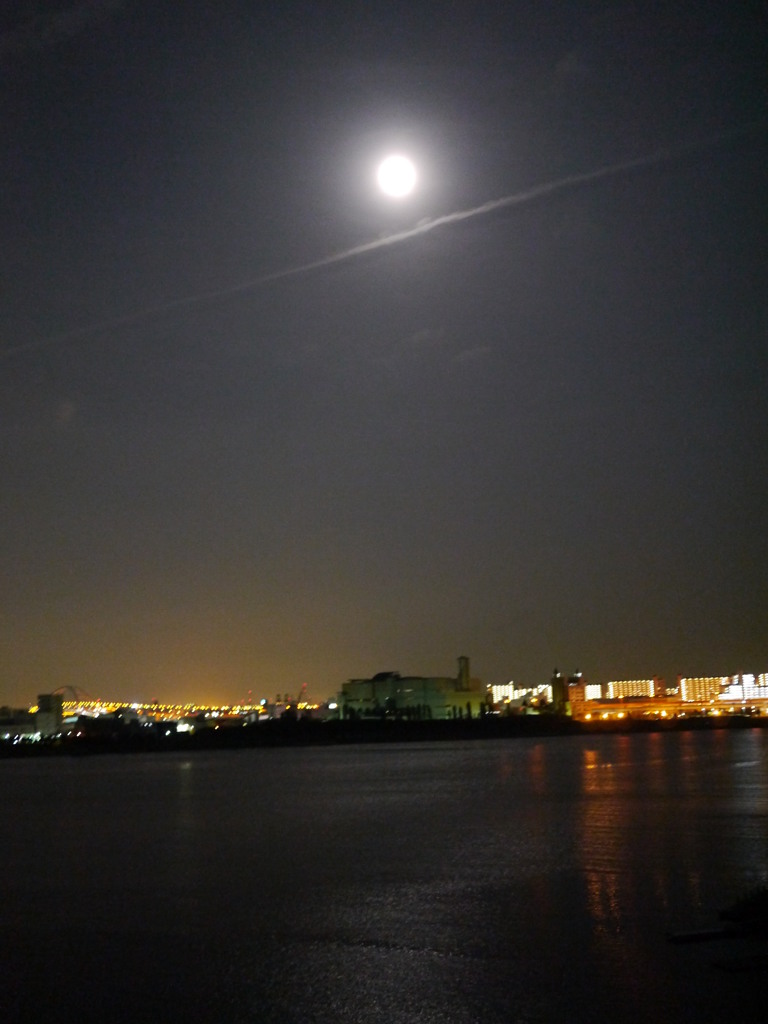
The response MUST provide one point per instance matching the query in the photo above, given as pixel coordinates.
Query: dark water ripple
(521, 880)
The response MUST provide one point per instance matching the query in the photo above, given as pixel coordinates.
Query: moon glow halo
(396, 176)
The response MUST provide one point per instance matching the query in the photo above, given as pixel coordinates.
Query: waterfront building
(506, 692)
(390, 694)
(49, 715)
(702, 688)
(552, 696)
(744, 688)
(560, 691)
(577, 696)
(16, 723)
(517, 696)
(634, 688)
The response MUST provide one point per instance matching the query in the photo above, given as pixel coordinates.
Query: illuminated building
(695, 695)
(568, 692)
(746, 687)
(394, 695)
(702, 687)
(634, 688)
(552, 696)
(509, 693)
(506, 692)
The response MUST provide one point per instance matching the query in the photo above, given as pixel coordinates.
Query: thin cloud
(523, 198)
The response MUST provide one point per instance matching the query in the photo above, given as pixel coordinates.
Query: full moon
(396, 176)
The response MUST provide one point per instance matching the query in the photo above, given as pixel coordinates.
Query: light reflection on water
(675, 817)
(474, 872)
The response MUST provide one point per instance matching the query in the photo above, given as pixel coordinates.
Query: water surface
(500, 881)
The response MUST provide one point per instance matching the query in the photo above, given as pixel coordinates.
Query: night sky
(536, 436)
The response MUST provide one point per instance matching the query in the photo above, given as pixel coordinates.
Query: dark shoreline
(311, 732)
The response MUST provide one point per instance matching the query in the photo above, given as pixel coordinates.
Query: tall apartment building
(635, 688)
(702, 687)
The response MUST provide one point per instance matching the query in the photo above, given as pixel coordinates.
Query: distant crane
(74, 692)
(293, 702)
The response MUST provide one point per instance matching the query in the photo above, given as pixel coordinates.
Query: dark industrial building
(390, 694)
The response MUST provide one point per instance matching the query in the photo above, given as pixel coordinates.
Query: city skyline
(70, 715)
(688, 687)
(247, 435)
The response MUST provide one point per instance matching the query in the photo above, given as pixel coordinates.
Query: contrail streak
(517, 199)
